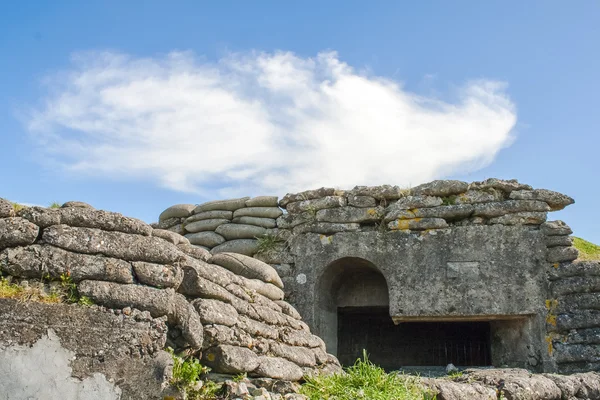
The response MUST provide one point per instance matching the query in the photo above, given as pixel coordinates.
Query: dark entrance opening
(411, 343)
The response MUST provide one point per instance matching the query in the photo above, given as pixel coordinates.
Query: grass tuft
(365, 380)
(64, 292)
(186, 378)
(588, 251)
(268, 243)
(54, 205)
(10, 290)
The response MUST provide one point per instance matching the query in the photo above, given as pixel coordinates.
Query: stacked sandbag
(226, 307)
(115, 260)
(248, 327)
(436, 205)
(233, 225)
(573, 318)
(173, 217)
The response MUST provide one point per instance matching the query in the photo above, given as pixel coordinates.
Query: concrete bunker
(355, 316)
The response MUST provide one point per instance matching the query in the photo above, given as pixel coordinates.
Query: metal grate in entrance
(412, 343)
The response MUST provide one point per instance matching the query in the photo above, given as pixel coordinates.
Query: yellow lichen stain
(551, 319)
(550, 347)
(210, 357)
(551, 304)
(402, 224)
(373, 212)
(555, 265)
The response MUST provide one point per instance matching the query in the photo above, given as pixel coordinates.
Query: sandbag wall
(227, 307)
(574, 315)
(233, 225)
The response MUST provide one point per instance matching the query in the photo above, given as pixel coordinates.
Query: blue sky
(134, 106)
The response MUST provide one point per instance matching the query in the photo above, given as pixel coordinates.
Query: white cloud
(261, 122)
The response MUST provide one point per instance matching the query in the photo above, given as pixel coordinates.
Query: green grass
(587, 250)
(17, 207)
(365, 380)
(9, 290)
(267, 243)
(54, 205)
(186, 378)
(65, 292)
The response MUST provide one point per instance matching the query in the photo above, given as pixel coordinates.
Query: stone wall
(227, 308)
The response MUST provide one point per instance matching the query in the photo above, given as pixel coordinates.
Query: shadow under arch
(348, 286)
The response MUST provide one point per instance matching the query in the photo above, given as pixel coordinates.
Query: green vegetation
(310, 213)
(587, 250)
(268, 243)
(365, 380)
(17, 207)
(186, 378)
(65, 292)
(70, 293)
(10, 290)
(54, 205)
(449, 200)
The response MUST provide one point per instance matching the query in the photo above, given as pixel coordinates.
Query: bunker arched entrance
(353, 315)
(354, 310)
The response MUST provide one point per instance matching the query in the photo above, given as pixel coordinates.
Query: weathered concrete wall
(59, 351)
